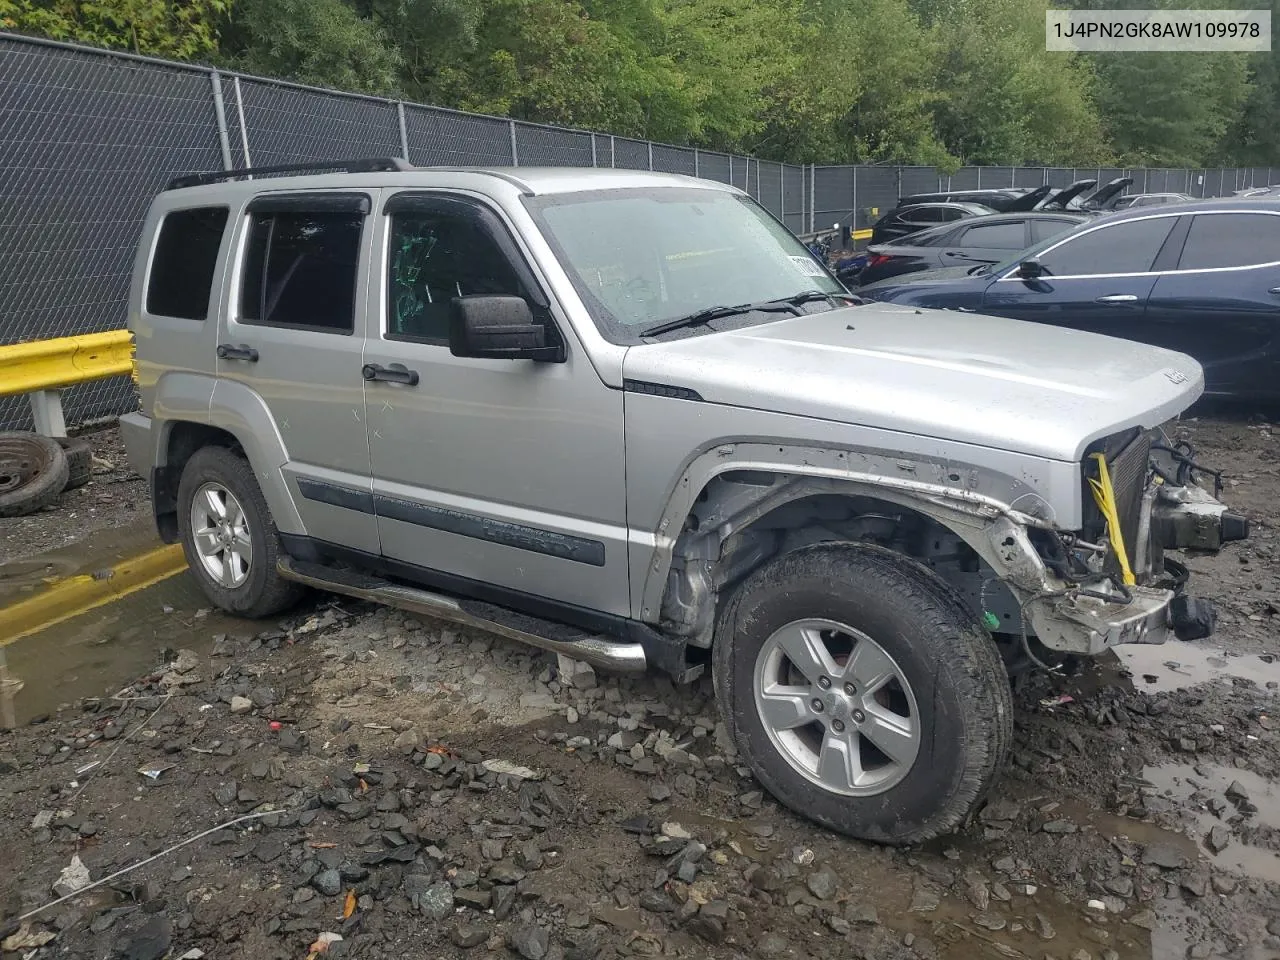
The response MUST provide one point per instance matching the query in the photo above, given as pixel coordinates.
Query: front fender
(956, 496)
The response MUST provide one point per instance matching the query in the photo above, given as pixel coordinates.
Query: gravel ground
(431, 792)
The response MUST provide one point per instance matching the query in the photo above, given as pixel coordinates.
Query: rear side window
(927, 215)
(1044, 229)
(182, 267)
(1002, 236)
(1231, 240)
(1130, 246)
(300, 270)
(950, 213)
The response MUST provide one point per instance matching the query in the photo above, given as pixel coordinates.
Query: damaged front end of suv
(1111, 582)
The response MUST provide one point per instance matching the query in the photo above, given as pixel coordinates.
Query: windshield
(642, 257)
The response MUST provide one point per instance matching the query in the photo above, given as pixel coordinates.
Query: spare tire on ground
(33, 472)
(79, 460)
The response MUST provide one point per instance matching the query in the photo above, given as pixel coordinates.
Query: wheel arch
(728, 518)
(237, 418)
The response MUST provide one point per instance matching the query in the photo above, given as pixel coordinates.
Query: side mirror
(1030, 270)
(498, 328)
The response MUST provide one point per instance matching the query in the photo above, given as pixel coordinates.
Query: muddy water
(1176, 665)
(1193, 788)
(98, 652)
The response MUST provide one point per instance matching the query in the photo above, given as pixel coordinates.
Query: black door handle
(394, 373)
(243, 352)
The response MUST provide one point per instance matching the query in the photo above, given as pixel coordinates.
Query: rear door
(294, 338)
(1222, 303)
(1097, 280)
(989, 242)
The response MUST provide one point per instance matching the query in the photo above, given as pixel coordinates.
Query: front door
(294, 340)
(506, 473)
(1098, 280)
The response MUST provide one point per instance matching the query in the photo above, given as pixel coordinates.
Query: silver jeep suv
(628, 417)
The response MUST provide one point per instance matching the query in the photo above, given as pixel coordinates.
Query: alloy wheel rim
(837, 707)
(220, 531)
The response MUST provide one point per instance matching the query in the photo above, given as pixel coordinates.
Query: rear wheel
(862, 692)
(229, 539)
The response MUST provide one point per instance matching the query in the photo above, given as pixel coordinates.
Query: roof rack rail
(372, 165)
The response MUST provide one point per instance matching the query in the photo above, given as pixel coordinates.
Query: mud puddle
(1203, 790)
(1176, 665)
(101, 550)
(98, 652)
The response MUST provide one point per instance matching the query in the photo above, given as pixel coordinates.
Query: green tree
(1170, 109)
(323, 42)
(183, 30)
(1002, 98)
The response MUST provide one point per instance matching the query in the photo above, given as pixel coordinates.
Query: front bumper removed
(1155, 609)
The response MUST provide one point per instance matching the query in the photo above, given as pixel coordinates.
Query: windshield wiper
(783, 305)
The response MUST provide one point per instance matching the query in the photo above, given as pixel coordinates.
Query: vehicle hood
(1064, 196)
(1112, 188)
(1006, 384)
(1029, 201)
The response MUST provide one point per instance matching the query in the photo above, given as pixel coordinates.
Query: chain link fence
(88, 137)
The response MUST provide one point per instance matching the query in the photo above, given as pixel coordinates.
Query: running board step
(611, 655)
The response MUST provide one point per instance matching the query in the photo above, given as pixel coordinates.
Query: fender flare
(996, 531)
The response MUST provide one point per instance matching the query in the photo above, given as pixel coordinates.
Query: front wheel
(862, 692)
(228, 536)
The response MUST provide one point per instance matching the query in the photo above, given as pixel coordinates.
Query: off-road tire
(265, 592)
(79, 460)
(959, 681)
(40, 472)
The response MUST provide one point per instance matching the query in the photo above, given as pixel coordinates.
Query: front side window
(1130, 246)
(185, 257)
(1231, 240)
(645, 256)
(433, 258)
(300, 270)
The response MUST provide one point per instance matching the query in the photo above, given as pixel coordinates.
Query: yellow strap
(1104, 495)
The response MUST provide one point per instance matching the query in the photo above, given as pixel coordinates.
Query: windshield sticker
(808, 266)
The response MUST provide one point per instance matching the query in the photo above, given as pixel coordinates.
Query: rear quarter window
(182, 266)
(1231, 240)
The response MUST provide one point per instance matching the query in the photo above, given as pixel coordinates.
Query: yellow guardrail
(61, 362)
(861, 234)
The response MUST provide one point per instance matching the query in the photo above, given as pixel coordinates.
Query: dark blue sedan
(1202, 278)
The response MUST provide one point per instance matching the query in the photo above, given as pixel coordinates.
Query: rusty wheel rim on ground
(22, 461)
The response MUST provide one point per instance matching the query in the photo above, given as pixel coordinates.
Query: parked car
(902, 221)
(1149, 200)
(976, 240)
(1202, 278)
(627, 417)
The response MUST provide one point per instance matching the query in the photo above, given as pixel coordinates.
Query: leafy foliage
(940, 82)
(183, 30)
